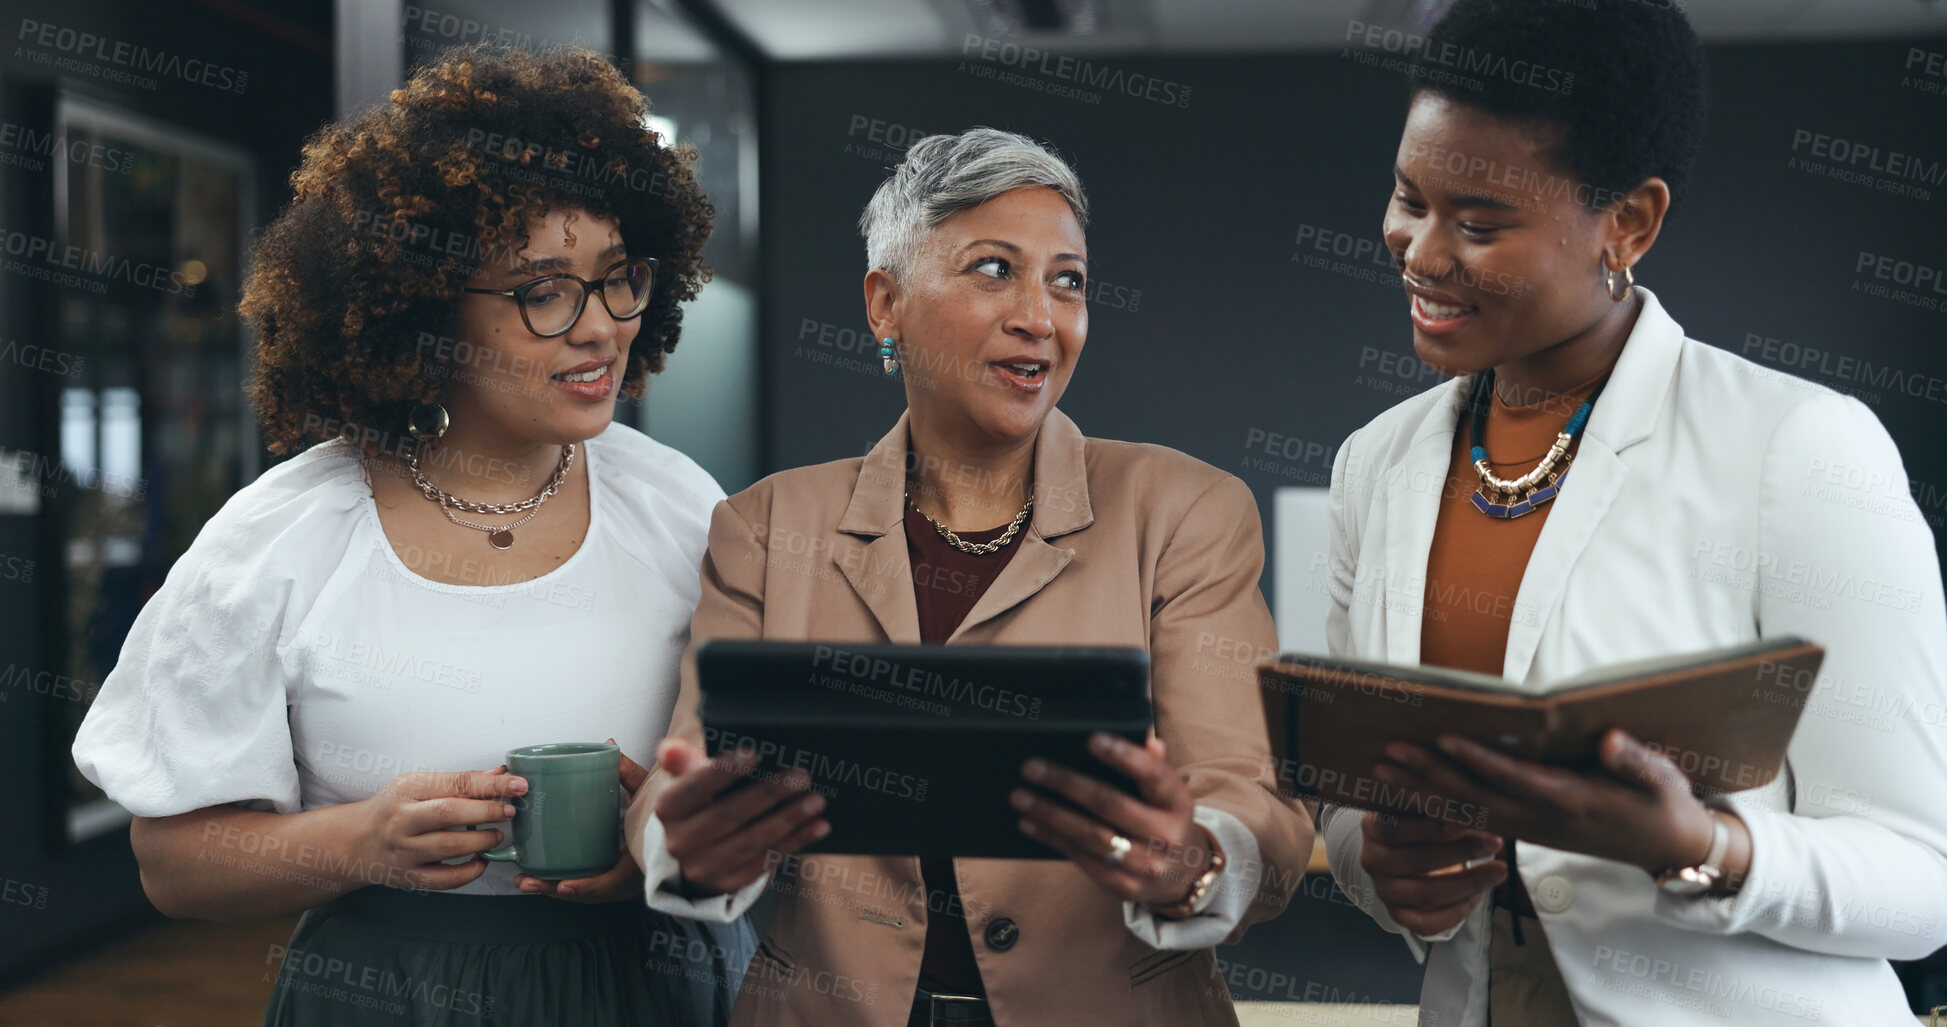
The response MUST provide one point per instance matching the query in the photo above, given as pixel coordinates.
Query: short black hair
(1620, 83)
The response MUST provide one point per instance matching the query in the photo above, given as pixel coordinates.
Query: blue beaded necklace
(1508, 499)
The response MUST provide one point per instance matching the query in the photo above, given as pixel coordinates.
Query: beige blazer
(1129, 545)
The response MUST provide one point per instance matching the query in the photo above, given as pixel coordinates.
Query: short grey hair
(943, 175)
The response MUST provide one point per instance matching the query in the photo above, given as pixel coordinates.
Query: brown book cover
(1724, 716)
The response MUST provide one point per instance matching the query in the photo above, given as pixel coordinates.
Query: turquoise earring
(890, 356)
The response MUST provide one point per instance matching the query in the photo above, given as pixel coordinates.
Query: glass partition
(154, 431)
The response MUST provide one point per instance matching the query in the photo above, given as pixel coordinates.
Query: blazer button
(1002, 933)
(1554, 894)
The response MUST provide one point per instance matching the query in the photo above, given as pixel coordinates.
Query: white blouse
(292, 661)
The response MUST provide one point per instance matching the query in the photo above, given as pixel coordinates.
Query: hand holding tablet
(915, 749)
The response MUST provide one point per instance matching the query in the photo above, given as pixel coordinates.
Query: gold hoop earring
(427, 422)
(1628, 283)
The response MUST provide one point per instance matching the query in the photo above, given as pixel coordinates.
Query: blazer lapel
(1061, 505)
(870, 550)
(1625, 415)
(1412, 509)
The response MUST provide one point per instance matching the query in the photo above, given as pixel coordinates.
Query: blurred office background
(1238, 154)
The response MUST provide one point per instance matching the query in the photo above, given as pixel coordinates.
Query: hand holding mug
(568, 825)
(410, 825)
(622, 881)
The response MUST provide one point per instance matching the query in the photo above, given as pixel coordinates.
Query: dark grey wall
(1211, 334)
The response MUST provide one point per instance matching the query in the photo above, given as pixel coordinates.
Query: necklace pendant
(502, 539)
(1509, 505)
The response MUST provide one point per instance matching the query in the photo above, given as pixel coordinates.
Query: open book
(1724, 716)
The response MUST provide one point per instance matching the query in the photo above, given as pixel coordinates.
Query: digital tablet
(916, 748)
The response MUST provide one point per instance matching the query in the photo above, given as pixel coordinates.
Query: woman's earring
(1627, 277)
(889, 356)
(427, 421)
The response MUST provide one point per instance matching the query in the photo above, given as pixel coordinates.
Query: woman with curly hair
(466, 555)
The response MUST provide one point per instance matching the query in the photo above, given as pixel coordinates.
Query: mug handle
(507, 853)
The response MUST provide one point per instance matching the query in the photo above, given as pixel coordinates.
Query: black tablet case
(916, 748)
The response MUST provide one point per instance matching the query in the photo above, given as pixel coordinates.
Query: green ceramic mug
(568, 824)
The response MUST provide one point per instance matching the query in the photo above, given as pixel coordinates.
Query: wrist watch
(1202, 890)
(1701, 878)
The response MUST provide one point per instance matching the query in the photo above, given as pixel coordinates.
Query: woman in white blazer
(1711, 502)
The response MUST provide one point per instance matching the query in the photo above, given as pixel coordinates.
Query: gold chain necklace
(975, 548)
(500, 536)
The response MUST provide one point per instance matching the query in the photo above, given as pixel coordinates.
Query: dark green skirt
(380, 957)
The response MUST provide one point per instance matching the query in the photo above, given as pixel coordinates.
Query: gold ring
(1118, 849)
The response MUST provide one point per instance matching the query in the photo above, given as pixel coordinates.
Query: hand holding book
(1638, 808)
(1427, 872)
(1610, 763)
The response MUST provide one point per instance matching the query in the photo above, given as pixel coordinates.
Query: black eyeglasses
(551, 305)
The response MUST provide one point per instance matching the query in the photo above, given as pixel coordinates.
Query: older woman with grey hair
(985, 517)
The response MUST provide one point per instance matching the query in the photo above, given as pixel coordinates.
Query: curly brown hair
(395, 207)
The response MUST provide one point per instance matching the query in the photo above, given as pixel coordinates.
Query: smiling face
(515, 387)
(1502, 261)
(991, 318)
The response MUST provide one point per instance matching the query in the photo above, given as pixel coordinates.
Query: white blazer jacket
(1713, 501)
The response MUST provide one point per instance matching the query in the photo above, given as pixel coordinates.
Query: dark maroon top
(946, 584)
